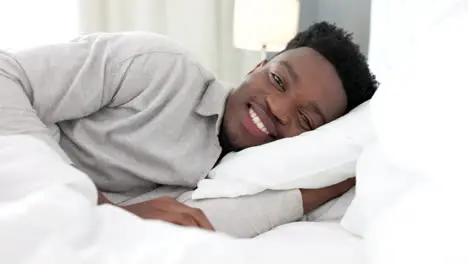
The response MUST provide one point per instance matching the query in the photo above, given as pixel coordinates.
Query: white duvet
(48, 214)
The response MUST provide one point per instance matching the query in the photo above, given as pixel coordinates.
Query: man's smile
(259, 124)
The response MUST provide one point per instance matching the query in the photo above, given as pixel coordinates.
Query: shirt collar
(213, 101)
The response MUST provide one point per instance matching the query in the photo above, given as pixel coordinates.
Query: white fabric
(428, 225)
(47, 210)
(314, 159)
(379, 185)
(414, 143)
(411, 197)
(324, 243)
(48, 214)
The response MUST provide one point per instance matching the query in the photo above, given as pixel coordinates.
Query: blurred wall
(352, 15)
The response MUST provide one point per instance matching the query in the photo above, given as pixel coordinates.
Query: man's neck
(225, 144)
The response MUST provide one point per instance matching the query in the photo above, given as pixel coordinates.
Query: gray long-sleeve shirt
(132, 110)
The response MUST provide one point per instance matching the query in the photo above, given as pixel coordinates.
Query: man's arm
(45, 85)
(313, 198)
(102, 199)
(249, 216)
(42, 86)
(246, 216)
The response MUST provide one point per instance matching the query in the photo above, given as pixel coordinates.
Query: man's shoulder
(139, 43)
(135, 41)
(123, 46)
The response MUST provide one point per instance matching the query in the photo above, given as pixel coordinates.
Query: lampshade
(265, 23)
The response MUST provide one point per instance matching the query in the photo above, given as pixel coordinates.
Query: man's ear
(260, 64)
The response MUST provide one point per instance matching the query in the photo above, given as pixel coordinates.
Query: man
(135, 112)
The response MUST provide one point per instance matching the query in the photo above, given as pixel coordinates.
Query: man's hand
(313, 198)
(170, 210)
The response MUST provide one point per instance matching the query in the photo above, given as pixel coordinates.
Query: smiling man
(136, 112)
(295, 92)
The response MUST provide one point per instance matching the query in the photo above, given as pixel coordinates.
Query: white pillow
(314, 159)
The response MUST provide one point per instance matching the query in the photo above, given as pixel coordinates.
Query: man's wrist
(313, 198)
(102, 199)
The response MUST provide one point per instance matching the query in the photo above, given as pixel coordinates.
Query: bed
(48, 212)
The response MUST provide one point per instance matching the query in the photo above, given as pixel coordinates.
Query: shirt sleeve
(45, 85)
(255, 214)
(42, 86)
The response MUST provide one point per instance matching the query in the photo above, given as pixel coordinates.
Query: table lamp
(265, 25)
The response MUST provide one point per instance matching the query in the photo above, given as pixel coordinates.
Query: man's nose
(280, 107)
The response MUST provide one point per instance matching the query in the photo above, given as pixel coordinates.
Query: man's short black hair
(337, 47)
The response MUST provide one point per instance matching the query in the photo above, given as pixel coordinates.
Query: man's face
(295, 92)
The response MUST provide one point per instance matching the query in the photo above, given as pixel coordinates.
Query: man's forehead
(306, 61)
(296, 53)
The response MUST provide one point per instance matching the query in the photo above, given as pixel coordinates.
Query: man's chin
(236, 145)
(237, 142)
(232, 145)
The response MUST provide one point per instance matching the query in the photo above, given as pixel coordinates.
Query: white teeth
(258, 122)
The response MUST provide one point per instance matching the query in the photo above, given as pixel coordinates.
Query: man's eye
(278, 81)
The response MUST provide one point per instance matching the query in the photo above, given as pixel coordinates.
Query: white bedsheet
(312, 242)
